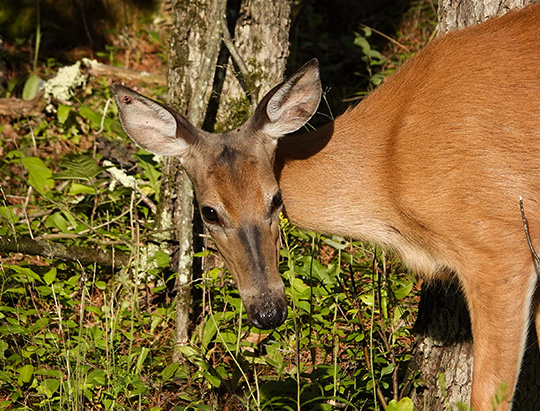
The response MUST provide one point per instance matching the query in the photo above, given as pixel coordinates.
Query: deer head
(234, 181)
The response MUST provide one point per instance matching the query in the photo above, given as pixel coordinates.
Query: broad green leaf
(404, 290)
(77, 188)
(117, 129)
(39, 175)
(25, 373)
(50, 276)
(31, 87)
(100, 285)
(405, 404)
(90, 114)
(8, 214)
(367, 299)
(212, 379)
(142, 357)
(161, 258)
(48, 387)
(168, 371)
(25, 274)
(57, 221)
(210, 330)
(63, 113)
(97, 377)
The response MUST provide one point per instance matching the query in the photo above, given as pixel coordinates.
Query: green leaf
(77, 188)
(48, 387)
(210, 330)
(405, 404)
(142, 357)
(50, 276)
(97, 377)
(25, 374)
(100, 285)
(8, 214)
(25, 274)
(404, 290)
(31, 87)
(168, 371)
(161, 258)
(90, 114)
(389, 369)
(40, 177)
(212, 379)
(58, 221)
(79, 166)
(63, 113)
(116, 128)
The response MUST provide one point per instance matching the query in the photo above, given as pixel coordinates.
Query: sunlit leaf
(39, 175)
(31, 87)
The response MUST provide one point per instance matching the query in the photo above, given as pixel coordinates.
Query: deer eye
(210, 215)
(277, 201)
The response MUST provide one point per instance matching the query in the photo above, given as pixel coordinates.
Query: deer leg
(499, 304)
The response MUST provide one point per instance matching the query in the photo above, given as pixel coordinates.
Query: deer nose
(271, 315)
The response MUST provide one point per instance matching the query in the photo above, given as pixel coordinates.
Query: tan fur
(432, 165)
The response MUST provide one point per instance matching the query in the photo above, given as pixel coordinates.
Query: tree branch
(235, 55)
(49, 249)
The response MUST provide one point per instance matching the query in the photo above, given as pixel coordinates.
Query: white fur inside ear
(152, 127)
(294, 103)
(289, 109)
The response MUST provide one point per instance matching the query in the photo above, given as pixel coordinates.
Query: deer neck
(332, 178)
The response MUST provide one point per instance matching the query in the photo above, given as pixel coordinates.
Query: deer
(436, 159)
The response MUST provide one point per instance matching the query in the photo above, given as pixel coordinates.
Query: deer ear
(291, 104)
(154, 126)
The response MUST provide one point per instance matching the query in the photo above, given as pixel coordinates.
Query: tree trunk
(193, 53)
(443, 352)
(201, 84)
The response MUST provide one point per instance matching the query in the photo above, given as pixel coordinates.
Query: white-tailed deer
(432, 165)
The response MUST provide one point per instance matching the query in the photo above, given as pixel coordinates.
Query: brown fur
(432, 164)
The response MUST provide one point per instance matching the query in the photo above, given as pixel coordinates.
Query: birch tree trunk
(443, 352)
(203, 81)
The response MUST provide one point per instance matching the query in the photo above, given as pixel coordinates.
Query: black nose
(270, 315)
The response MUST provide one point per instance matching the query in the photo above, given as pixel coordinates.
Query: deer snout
(267, 312)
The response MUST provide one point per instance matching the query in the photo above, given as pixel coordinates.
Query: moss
(239, 110)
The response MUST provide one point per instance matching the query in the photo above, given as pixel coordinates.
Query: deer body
(432, 165)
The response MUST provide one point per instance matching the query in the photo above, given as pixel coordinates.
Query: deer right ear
(155, 127)
(291, 104)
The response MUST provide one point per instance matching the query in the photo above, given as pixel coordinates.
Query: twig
(103, 117)
(228, 41)
(527, 234)
(387, 37)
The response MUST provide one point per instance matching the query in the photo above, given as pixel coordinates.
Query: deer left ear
(291, 104)
(154, 126)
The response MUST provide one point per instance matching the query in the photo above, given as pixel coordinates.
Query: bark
(14, 107)
(443, 350)
(51, 249)
(443, 353)
(455, 15)
(261, 38)
(193, 53)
